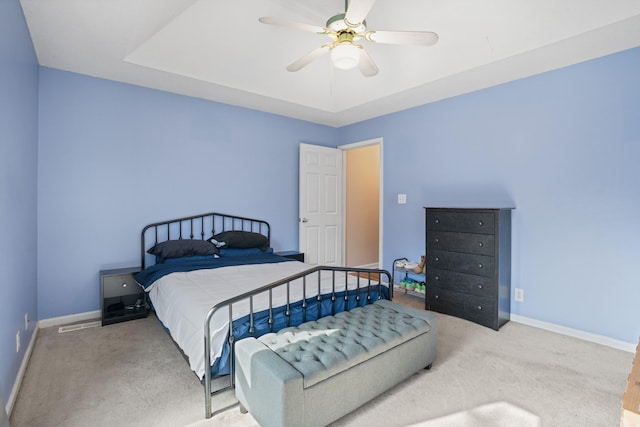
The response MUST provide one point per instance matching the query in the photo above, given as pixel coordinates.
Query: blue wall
(18, 191)
(103, 159)
(114, 157)
(564, 147)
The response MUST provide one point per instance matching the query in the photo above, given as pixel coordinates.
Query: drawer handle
(480, 223)
(479, 308)
(479, 265)
(436, 296)
(124, 285)
(437, 258)
(437, 221)
(437, 240)
(437, 277)
(479, 286)
(480, 244)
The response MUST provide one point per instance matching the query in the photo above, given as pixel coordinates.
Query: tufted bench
(315, 373)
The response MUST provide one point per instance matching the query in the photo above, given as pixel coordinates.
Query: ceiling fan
(346, 28)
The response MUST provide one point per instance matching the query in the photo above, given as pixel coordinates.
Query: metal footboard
(365, 281)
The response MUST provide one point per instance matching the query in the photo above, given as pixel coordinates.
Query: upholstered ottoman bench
(316, 373)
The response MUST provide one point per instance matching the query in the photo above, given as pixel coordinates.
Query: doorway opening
(363, 204)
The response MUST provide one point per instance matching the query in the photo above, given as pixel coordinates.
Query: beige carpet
(131, 374)
(500, 414)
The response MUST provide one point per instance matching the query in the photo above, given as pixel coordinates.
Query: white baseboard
(72, 318)
(374, 266)
(23, 368)
(586, 336)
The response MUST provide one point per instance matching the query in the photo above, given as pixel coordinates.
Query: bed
(215, 278)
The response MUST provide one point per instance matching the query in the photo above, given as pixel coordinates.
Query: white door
(320, 213)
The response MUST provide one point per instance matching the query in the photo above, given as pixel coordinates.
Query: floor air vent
(77, 327)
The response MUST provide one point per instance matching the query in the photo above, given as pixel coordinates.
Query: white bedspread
(182, 301)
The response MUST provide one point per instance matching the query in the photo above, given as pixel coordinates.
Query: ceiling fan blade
(366, 65)
(305, 60)
(422, 38)
(291, 24)
(357, 11)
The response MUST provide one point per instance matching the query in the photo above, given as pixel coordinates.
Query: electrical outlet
(519, 296)
(402, 199)
(18, 342)
(26, 321)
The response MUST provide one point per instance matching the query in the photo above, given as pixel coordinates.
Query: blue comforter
(150, 274)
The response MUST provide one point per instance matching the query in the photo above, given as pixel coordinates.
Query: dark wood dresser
(469, 263)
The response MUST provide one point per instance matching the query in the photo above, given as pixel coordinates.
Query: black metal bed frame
(366, 280)
(200, 227)
(207, 225)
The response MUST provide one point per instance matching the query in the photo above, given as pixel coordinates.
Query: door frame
(375, 141)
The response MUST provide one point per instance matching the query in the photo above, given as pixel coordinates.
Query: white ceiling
(218, 50)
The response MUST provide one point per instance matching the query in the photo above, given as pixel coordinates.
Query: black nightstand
(122, 298)
(298, 256)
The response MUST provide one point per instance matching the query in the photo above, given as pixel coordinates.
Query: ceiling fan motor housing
(338, 23)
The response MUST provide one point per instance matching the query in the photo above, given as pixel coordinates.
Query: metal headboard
(200, 227)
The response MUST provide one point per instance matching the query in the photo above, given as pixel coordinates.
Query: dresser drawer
(481, 265)
(481, 222)
(471, 284)
(120, 285)
(475, 309)
(483, 244)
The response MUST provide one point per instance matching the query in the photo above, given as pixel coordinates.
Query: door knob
(304, 220)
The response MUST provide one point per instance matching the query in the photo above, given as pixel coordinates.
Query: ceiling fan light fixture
(345, 56)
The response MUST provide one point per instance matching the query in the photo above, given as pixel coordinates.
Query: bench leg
(243, 410)
(428, 367)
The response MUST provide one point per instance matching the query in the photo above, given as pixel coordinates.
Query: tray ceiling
(217, 50)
